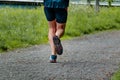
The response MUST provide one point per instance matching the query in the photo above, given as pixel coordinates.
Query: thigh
(49, 13)
(61, 15)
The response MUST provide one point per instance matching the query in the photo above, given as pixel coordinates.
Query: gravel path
(91, 57)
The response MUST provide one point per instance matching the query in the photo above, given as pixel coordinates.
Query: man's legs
(55, 29)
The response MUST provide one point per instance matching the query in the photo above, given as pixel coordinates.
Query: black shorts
(58, 14)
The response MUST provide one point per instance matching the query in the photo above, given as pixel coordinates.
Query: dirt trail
(91, 57)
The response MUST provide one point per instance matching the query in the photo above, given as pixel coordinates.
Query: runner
(56, 15)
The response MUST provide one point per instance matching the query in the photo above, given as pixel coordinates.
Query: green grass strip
(22, 27)
(116, 76)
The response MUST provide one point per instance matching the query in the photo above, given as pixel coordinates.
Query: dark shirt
(56, 3)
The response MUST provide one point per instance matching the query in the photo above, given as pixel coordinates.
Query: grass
(116, 76)
(22, 27)
(84, 21)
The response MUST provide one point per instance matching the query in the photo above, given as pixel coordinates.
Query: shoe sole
(58, 45)
(53, 59)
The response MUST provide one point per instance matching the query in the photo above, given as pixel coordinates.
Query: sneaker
(53, 58)
(58, 45)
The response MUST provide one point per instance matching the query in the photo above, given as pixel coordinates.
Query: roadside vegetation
(23, 27)
(116, 76)
(83, 20)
